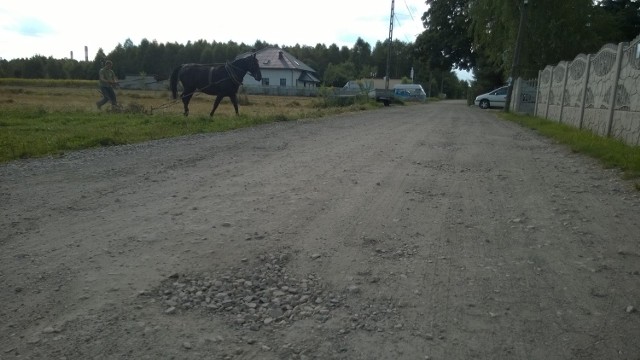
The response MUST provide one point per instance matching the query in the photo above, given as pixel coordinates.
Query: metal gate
(525, 92)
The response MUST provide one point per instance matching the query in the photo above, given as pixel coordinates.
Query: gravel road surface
(430, 231)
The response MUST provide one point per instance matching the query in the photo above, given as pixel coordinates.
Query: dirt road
(422, 232)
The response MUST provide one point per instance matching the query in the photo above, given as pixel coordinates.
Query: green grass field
(47, 118)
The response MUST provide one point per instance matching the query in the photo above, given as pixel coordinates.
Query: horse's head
(253, 67)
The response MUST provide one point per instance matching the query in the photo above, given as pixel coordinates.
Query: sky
(57, 28)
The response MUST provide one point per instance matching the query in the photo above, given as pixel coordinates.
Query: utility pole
(386, 80)
(516, 55)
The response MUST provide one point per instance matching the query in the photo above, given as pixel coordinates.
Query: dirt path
(423, 232)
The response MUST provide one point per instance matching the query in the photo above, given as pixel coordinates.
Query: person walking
(108, 81)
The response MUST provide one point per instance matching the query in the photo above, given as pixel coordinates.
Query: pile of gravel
(253, 296)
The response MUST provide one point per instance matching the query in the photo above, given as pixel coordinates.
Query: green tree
(446, 42)
(151, 59)
(338, 75)
(55, 68)
(553, 31)
(206, 57)
(379, 59)
(621, 18)
(360, 56)
(77, 70)
(34, 67)
(4, 68)
(402, 59)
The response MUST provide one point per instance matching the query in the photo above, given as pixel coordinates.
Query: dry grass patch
(39, 121)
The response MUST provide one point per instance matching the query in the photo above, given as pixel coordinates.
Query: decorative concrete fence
(597, 92)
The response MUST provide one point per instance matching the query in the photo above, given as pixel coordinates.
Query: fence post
(546, 112)
(585, 87)
(535, 108)
(564, 89)
(614, 89)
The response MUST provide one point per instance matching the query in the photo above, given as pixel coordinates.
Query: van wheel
(484, 104)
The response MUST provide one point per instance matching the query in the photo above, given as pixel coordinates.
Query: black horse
(223, 80)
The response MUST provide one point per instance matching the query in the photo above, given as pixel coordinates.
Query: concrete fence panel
(574, 92)
(626, 116)
(598, 92)
(556, 95)
(544, 87)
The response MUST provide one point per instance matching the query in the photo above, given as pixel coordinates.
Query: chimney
(71, 55)
(86, 53)
(280, 56)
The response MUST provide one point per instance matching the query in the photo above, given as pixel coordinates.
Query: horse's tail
(173, 83)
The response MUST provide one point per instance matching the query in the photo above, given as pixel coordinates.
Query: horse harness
(229, 68)
(232, 75)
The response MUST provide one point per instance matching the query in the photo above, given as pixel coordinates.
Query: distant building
(143, 82)
(369, 84)
(281, 69)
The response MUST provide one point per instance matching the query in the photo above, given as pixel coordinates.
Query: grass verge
(611, 152)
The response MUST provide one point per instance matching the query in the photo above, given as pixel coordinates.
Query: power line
(419, 28)
(409, 10)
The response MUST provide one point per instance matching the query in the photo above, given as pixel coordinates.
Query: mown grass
(610, 152)
(46, 120)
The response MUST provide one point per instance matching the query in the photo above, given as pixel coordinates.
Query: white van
(409, 92)
(358, 85)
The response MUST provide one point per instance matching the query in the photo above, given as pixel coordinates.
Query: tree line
(474, 35)
(334, 65)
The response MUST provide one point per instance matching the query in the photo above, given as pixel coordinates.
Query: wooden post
(546, 112)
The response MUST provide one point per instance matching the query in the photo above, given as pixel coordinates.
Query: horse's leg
(185, 101)
(234, 101)
(215, 104)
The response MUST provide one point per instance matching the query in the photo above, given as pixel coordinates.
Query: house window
(265, 81)
(283, 82)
